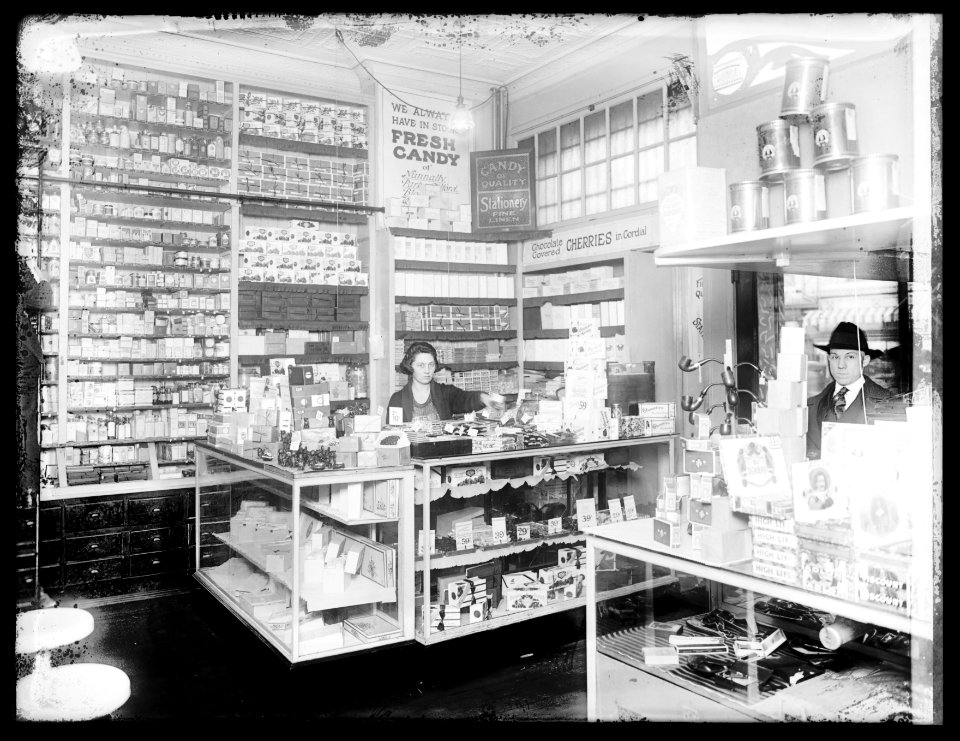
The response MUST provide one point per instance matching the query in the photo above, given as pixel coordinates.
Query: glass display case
(719, 643)
(506, 532)
(317, 563)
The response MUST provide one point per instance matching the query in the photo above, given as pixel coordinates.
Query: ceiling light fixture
(462, 119)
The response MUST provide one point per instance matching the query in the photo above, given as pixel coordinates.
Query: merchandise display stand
(427, 564)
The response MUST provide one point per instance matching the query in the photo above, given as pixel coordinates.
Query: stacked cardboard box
(786, 411)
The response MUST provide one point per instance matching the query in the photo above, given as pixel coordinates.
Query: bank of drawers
(215, 511)
(124, 537)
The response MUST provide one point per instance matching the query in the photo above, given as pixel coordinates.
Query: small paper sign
(352, 564)
(395, 416)
(499, 529)
(523, 532)
(295, 440)
(554, 525)
(616, 510)
(469, 417)
(629, 507)
(431, 541)
(463, 533)
(586, 513)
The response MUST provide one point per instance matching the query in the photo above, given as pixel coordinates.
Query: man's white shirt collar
(852, 390)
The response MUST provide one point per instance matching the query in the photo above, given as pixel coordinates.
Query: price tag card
(473, 432)
(463, 533)
(586, 513)
(395, 416)
(469, 417)
(523, 532)
(554, 525)
(352, 564)
(616, 511)
(431, 542)
(629, 507)
(500, 529)
(295, 440)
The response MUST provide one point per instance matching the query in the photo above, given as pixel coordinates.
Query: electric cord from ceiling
(343, 41)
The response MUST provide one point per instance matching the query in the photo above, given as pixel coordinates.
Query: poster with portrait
(816, 495)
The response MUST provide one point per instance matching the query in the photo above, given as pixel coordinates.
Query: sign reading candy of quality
(502, 190)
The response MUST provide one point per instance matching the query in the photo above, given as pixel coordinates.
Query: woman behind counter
(425, 399)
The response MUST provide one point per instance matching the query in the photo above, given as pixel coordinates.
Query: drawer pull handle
(30, 523)
(156, 509)
(94, 514)
(155, 562)
(156, 538)
(94, 546)
(94, 571)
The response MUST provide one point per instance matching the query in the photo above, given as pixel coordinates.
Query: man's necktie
(840, 401)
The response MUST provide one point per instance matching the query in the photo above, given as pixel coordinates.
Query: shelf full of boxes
(304, 263)
(140, 342)
(475, 333)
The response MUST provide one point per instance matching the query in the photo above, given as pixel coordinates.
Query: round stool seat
(42, 630)
(72, 692)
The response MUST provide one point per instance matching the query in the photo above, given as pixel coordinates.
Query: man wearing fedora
(851, 397)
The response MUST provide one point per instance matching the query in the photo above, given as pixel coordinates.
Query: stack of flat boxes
(424, 211)
(599, 278)
(303, 119)
(453, 283)
(786, 412)
(670, 507)
(303, 177)
(300, 254)
(449, 250)
(775, 549)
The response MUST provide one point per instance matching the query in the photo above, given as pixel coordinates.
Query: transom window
(611, 158)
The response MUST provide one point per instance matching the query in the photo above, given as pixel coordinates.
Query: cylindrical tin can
(749, 206)
(834, 135)
(778, 146)
(804, 86)
(804, 196)
(875, 182)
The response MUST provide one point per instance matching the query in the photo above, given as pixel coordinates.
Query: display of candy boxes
(826, 569)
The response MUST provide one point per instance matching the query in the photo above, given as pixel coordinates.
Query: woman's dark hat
(847, 336)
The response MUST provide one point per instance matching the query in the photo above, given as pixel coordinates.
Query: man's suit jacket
(820, 410)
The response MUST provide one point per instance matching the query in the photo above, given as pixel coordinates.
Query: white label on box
(616, 510)
(523, 532)
(586, 513)
(554, 525)
(463, 532)
(499, 529)
(629, 507)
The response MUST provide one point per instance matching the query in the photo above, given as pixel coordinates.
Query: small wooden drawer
(26, 526)
(50, 552)
(97, 546)
(155, 510)
(93, 516)
(51, 522)
(26, 561)
(208, 529)
(50, 576)
(158, 563)
(92, 571)
(161, 539)
(213, 555)
(26, 582)
(214, 505)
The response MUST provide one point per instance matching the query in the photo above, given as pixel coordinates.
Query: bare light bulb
(462, 120)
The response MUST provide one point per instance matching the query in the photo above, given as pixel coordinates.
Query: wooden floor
(188, 659)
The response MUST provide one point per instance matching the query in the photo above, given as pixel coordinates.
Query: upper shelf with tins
(875, 245)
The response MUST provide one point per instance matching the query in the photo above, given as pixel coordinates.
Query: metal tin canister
(804, 85)
(778, 146)
(834, 135)
(749, 206)
(875, 182)
(804, 196)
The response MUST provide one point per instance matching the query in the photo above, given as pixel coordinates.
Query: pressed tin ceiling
(497, 49)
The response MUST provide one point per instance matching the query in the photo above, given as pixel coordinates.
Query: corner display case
(882, 674)
(319, 563)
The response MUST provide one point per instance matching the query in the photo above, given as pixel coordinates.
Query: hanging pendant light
(462, 119)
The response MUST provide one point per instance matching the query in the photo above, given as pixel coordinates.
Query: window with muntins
(611, 158)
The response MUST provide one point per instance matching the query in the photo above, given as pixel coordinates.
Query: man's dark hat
(847, 336)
